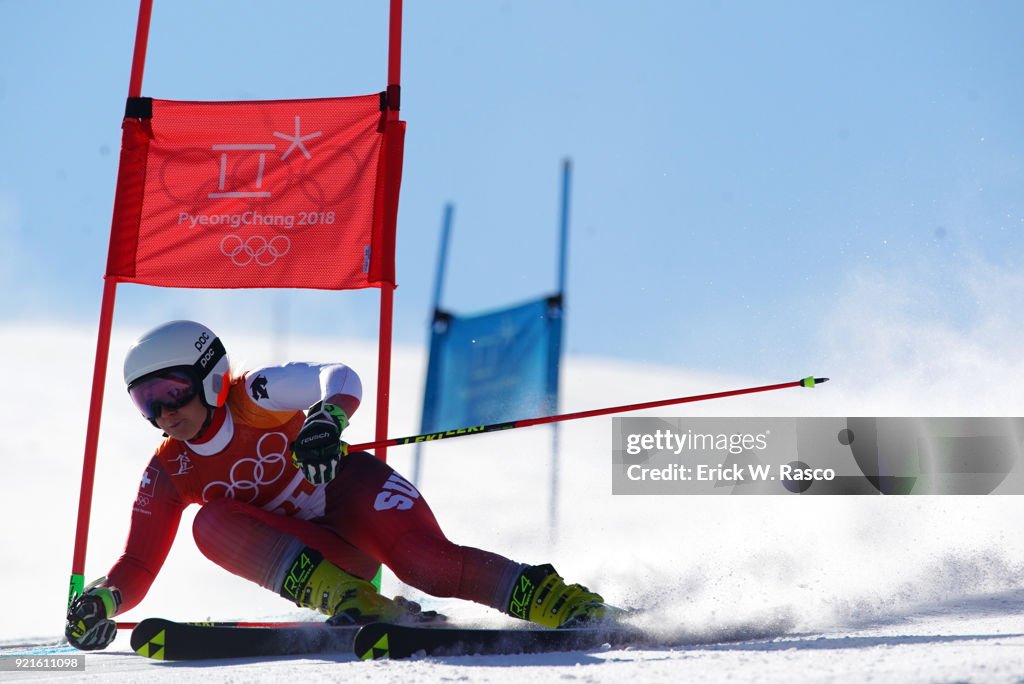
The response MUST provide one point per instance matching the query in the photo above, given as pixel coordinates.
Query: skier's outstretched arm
(155, 517)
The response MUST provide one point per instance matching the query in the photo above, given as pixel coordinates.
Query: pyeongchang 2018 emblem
(242, 168)
(251, 477)
(297, 143)
(250, 193)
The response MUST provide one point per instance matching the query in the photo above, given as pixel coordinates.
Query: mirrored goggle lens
(166, 391)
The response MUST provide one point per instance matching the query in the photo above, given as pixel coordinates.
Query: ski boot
(540, 595)
(314, 582)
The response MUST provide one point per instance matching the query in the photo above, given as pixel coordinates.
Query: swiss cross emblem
(148, 484)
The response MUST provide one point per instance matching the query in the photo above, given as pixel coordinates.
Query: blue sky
(741, 169)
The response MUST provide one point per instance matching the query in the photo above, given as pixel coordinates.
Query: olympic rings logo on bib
(255, 248)
(249, 474)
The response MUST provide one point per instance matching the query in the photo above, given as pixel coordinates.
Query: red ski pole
(809, 381)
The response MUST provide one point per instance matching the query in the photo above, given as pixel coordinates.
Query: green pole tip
(76, 587)
(811, 381)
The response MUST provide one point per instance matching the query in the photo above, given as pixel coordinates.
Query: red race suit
(258, 511)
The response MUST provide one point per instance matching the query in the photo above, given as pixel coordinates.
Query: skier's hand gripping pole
(318, 448)
(89, 627)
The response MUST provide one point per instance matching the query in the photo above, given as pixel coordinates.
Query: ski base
(168, 640)
(382, 640)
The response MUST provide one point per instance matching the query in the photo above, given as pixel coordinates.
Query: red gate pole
(99, 372)
(387, 290)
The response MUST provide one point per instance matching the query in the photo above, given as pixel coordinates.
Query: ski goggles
(169, 390)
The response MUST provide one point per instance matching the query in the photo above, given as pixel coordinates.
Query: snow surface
(768, 588)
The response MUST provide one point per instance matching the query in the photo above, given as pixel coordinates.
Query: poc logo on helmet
(201, 342)
(206, 357)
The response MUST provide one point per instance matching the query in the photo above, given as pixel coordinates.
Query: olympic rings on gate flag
(255, 248)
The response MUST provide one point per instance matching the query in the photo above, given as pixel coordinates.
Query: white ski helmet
(181, 345)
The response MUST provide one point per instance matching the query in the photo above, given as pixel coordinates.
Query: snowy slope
(821, 588)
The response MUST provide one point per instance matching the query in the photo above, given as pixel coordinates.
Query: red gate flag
(284, 193)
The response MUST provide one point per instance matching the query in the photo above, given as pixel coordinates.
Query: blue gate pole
(556, 363)
(442, 262)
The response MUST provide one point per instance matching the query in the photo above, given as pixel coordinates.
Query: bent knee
(213, 521)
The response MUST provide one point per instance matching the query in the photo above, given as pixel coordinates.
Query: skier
(284, 504)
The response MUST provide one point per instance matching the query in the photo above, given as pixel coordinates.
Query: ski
(168, 640)
(382, 640)
(162, 639)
